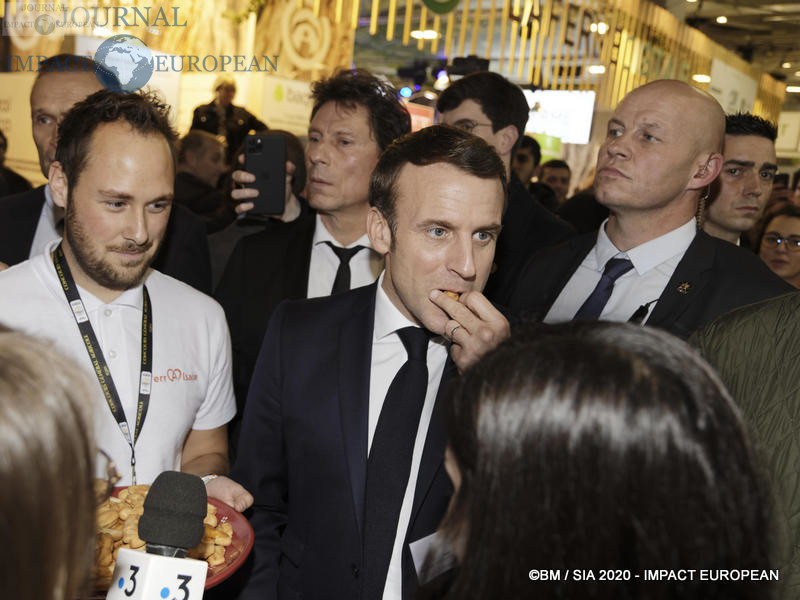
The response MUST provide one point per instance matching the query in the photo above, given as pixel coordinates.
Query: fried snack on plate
(118, 527)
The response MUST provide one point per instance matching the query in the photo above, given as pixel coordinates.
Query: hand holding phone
(265, 158)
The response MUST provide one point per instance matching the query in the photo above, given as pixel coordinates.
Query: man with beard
(159, 350)
(29, 221)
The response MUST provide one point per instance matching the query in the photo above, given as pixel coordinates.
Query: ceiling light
(691, 1)
(701, 78)
(602, 28)
(722, 20)
(593, 27)
(793, 89)
(786, 65)
(428, 34)
(797, 73)
(596, 69)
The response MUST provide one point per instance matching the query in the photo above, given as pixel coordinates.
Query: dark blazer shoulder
(713, 278)
(546, 274)
(184, 253)
(19, 217)
(328, 311)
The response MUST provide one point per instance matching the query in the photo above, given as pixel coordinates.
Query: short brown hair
(145, 112)
(436, 144)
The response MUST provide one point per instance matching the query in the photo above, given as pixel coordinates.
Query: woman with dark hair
(599, 448)
(780, 243)
(47, 500)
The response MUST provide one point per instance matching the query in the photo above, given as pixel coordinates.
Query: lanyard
(99, 362)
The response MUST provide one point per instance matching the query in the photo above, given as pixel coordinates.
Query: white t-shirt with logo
(192, 386)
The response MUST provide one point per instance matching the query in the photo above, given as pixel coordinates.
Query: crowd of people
(421, 379)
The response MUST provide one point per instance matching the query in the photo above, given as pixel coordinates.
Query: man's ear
(707, 171)
(59, 188)
(506, 138)
(378, 231)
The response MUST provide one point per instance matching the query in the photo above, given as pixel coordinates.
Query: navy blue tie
(597, 300)
(389, 462)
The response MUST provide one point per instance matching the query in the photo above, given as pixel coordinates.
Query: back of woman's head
(47, 502)
(600, 446)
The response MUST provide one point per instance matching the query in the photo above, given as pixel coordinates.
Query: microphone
(174, 509)
(171, 524)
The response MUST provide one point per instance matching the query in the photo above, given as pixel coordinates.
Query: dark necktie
(597, 300)
(389, 463)
(342, 281)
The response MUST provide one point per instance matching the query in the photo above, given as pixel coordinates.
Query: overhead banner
(734, 90)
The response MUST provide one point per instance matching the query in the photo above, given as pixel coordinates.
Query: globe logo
(44, 24)
(125, 63)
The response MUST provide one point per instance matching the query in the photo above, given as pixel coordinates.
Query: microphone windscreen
(174, 510)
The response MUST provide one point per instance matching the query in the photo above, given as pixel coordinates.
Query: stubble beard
(95, 267)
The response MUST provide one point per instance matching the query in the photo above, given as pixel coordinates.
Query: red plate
(235, 554)
(240, 547)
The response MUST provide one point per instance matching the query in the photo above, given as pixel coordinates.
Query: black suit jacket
(238, 121)
(527, 228)
(303, 452)
(264, 269)
(712, 278)
(183, 255)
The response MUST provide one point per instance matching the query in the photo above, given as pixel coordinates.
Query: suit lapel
(299, 255)
(687, 282)
(435, 442)
(355, 357)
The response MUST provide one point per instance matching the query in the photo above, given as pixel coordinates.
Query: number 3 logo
(134, 571)
(185, 579)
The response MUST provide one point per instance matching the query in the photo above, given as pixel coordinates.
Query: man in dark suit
(491, 107)
(346, 475)
(355, 117)
(30, 221)
(649, 262)
(11, 182)
(222, 117)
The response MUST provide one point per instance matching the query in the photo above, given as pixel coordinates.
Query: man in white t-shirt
(158, 349)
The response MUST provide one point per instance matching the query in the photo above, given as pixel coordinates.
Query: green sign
(441, 7)
(550, 145)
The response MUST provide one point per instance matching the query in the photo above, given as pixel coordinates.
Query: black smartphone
(265, 157)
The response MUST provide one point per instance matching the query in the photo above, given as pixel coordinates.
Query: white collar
(322, 235)
(650, 254)
(132, 297)
(388, 318)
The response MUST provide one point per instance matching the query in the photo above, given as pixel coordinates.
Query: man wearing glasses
(494, 109)
(741, 191)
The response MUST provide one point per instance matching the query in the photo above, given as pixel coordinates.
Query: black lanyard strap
(99, 364)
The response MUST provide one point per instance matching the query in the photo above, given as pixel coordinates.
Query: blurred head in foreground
(599, 446)
(47, 502)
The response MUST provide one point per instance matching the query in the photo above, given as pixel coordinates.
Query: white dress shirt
(46, 231)
(388, 355)
(654, 262)
(365, 266)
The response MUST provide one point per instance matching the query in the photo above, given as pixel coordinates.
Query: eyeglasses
(104, 487)
(469, 125)
(773, 240)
